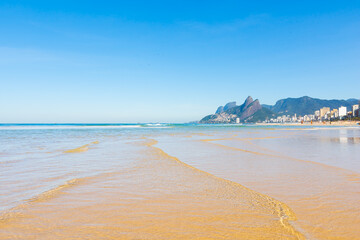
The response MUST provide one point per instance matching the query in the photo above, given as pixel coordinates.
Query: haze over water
(166, 181)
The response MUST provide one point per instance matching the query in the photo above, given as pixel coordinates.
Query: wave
(80, 126)
(16, 211)
(157, 125)
(61, 127)
(83, 148)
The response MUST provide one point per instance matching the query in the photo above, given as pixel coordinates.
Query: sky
(170, 61)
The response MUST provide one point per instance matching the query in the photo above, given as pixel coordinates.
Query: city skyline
(321, 115)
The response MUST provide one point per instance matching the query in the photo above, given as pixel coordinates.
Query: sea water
(179, 181)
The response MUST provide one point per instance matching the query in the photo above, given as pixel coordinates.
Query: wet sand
(233, 184)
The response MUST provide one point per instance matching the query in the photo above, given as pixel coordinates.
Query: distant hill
(231, 111)
(307, 105)
(266, 106)
(353, 101)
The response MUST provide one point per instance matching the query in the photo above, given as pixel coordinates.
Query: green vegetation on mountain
(260, 116)
(306, 105)
(209, 118)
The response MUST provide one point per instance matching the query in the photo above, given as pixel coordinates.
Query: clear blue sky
(170, 61)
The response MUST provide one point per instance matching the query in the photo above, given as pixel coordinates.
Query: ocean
(179, 181)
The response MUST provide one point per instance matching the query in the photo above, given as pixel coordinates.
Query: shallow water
(179, 182)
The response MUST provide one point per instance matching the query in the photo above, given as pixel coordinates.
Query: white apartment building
(342, 111)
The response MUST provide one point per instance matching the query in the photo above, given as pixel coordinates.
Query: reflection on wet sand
(326, 203)
(353, 140)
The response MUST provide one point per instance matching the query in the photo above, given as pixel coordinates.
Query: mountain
(252, 111)
(353, 101)
(307, 105)
(244, 112)
(219, 110)
(229, 105)
(266, 106)
(260, 115)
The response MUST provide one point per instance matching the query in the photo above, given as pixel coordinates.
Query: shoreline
(336, 123)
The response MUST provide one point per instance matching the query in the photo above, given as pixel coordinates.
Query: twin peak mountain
(251, 111)
(247, 112)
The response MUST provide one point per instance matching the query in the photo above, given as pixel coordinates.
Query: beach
(315, 123)
(179, 181)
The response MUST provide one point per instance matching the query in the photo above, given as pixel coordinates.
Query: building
(237, 120)
(334, 113)
(342, 111)
(357, 113)
(317, 114)
(354, 108)
(324, 111)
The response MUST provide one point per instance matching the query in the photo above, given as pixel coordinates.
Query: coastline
(243, 183)
(336, 123)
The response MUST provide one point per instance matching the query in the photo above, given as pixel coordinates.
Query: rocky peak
(229, 105)
(248, 101)
(219, 110)
(230, 112)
